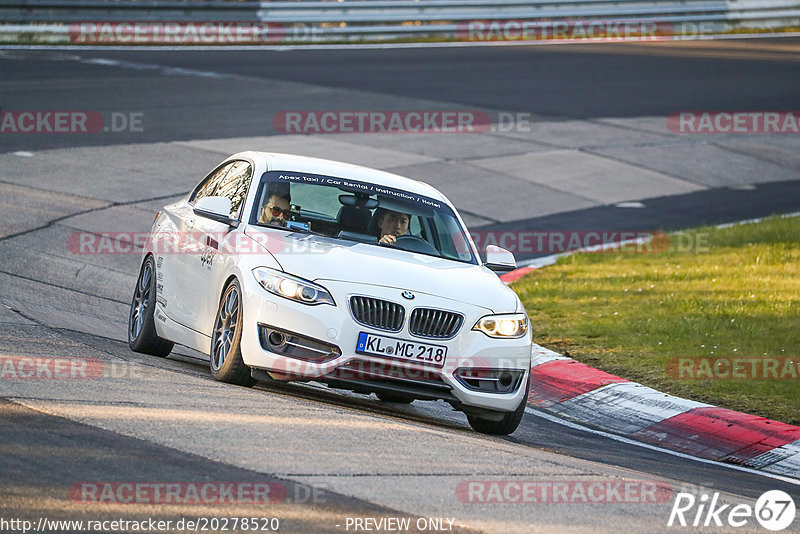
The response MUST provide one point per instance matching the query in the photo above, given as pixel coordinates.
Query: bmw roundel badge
(408, 295)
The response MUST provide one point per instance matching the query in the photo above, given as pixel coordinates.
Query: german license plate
(401, 349)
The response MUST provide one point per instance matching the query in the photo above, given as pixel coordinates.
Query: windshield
(360, 211)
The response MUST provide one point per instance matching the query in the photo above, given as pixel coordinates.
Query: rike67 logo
(774, 510)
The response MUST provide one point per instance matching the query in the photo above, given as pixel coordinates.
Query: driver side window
(207, 187)
(234, 186)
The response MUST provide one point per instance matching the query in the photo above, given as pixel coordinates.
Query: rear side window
(209, 184)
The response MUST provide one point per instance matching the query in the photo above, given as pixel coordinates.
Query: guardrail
(377, 20)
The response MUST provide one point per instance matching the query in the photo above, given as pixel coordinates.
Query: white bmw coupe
(285, 267)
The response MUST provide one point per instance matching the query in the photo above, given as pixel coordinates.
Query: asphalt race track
(564, 82)
(595, 111)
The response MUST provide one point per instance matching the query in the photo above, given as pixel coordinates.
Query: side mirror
(499, 259)
(217, 209)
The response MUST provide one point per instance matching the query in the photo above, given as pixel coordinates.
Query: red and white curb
(574, 391)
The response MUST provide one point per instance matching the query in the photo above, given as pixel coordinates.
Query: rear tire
(397, 398)
(507, 425)
(226, 356)
(142, 336)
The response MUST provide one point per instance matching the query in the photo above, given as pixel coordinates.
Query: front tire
(507, 425)
(142, 336)
(226, 356)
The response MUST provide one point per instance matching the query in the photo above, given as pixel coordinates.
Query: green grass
(738, 295)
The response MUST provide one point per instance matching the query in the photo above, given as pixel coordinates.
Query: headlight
(510, 325)
(291, 287)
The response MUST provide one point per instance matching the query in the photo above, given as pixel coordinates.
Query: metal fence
(380, 20)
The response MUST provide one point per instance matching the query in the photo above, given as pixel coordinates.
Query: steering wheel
(414, 243)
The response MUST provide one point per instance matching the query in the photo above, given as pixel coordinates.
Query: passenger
(278, 207)
(392, 224)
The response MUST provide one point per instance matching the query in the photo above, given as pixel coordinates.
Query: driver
(278, 206)
(391, 225)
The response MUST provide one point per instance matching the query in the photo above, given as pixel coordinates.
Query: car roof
(289, 162)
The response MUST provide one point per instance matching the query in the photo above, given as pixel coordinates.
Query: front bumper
(334, 329)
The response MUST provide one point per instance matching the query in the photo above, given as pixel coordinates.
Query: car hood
(319, 258)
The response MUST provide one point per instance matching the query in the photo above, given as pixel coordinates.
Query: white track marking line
(622, 439)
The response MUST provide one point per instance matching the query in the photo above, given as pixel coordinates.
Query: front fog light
(490, 380)
(512, 325)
